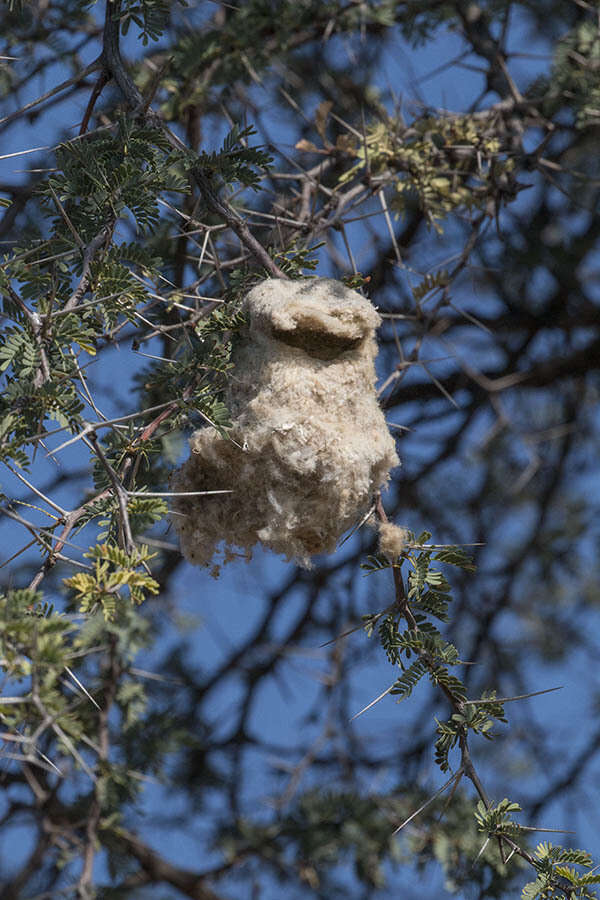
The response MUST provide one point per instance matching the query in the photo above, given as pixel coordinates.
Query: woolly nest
(309, 444)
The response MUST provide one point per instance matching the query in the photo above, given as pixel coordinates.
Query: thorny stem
(190, 883)
(101, 81)
(70, 521)
(467, 766)
(226, 212)
(406, 612)
(113, 63)
(120, 492)
(90, 252)
(113, 672)
(75, 79)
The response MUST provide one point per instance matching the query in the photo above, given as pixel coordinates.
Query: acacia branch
(115, 66)
(113, 672)
(467, 766)
(579, 362)
(74, 80)
(222, 209)
(120, 492)
(70, 521)
(189, 883)
(89, 255)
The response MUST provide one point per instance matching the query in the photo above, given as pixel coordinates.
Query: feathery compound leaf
(389, 637)
(433, 603)
(114, 570)
(19, 351)
(497, 817)
(375, 564)
(151, 17)
(579, 857)
(418, 577)
(409, 679)
(455, 556)
(429, 283)
(536, 888)
(235, 162)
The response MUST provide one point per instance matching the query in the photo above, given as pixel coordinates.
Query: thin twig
(111, 57)
(455, 778)
(89, 255)
(120, 492)
(75, 79)
(111, 681)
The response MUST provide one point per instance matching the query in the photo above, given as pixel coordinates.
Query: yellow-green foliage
(113, 570)
(551, 865)
(444, 164)
(576, 72)
(429, 283)
(30, 630)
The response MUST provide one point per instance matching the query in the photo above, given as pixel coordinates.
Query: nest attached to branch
(309, 445)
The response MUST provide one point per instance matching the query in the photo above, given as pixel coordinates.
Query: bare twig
(120, 492)
(89, 255)
(190, 883)
(111, 681)
(75, 79)
(71, 520)
(102, 80)
(454, 779)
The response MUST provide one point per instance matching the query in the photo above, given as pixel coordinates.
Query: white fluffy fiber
(309, 444)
